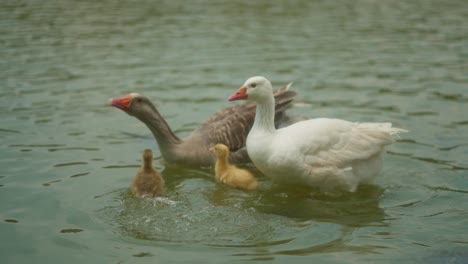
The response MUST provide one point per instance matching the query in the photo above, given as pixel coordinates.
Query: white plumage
(322, 152)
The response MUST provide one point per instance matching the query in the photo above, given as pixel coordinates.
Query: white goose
(324, 153)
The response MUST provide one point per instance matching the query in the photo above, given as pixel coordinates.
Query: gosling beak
(122, 103)
(240, 94)
(211, 149)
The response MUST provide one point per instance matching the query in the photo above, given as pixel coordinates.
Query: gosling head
(220, 149)
(147, 156)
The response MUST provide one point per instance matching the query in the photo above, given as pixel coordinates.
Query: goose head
(254, 89)
(133, 104)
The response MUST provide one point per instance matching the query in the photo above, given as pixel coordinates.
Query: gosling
(148, 182)
(230, 175)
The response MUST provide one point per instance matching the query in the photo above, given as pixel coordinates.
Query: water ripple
(70, 164)
(49, 183)
(338, 245)
(71, 230)
(73, 148)
(444, 188)
(37, 145)
(79, 175)
(120, 166)
(450, 97)
(9, 131)
(453, 147)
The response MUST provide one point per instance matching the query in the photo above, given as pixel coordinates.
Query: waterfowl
(228, 126)
(231, 175)
(148, 182)
(330, 154)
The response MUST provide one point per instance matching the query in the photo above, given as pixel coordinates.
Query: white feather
(329, 153)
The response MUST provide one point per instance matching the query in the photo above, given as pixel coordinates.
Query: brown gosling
(148, 182)
(231, 175)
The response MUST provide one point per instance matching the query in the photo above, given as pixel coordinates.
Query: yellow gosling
(230, 175)
(148, 182)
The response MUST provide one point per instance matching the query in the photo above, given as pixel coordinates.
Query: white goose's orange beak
(122, 103)
(240, 94)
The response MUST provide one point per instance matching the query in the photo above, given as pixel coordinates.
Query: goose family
(229, 174)
(228, 126)
(148, 182)
(321, 152)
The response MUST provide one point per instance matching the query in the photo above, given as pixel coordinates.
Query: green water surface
(67, 158)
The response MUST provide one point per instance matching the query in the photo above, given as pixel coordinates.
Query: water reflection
(357, 209)
(341, 244)
(350, 211)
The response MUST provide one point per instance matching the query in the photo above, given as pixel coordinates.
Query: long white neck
(265, 114)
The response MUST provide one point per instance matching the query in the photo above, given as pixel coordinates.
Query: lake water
(67, 158)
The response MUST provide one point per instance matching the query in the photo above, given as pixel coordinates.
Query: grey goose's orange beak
(240, 94)
(122, 103)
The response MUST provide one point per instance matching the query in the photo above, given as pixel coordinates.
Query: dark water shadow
(357, 209)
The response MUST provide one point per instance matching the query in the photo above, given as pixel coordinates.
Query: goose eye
(253, 85)
(139, 100)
